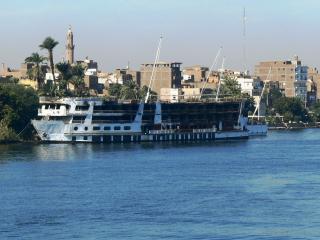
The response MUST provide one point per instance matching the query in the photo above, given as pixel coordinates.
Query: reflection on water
(263, 188)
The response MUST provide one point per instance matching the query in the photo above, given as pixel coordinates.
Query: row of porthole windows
(106, 128)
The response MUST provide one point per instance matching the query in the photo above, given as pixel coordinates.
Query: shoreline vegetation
(19, 104)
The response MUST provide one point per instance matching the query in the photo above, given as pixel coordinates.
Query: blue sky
(114, 32)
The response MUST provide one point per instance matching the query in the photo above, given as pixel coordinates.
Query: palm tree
(129, 90)
(37, 60)
(65, 70)
(143, 93)
(49, 43)
(79, 86)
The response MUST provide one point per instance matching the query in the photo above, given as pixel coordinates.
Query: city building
(167, 75)
(22, 72)
(88, 64)
(190, 93)
(290, 76)
(171, 95)
(311, 92)
(121, 76)
(250, 86)
(198, 77)
(314, 76)
(194, 74)
(49, 77)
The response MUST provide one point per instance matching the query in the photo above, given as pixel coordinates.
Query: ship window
(86, 128)
(96, 128)
(117, 128)
(78, 119)
(107, 128)
(85, 138)
(127, 128)
(75, 128)
(82, 108)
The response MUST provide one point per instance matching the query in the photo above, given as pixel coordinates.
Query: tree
(18, 105)
(36, 59)
(77, 79)
(66, 74)
(316, 111)
(49, 43)
(78, 70)
(114, 90)
(249, 105)
(143, 94)
(79, 86)
(230, 87)
(49, 90)
(292, 109)
(71, 74)
(129, 90)
(65, 70)
(273, 96)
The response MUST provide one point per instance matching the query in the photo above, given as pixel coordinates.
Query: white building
(250, 86)
(171, 95)
(91, 72)
(49, 77)
(246, 84)
(115, 78)
(186, 77)
(191, 93)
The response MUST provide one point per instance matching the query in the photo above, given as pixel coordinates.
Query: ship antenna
(210, 70)
(244, 47)
(220, 78)
(153, 70)
(261, 95)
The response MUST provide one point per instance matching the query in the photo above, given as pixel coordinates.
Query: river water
(262, 188)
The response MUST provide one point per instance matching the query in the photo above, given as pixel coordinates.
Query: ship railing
(204, 130)
(52, 112)
(169, 131)
(165, 131)
(78, 121)
(211, 100)
(46, 98)
(79, 112)
(112, 121)
(114, 111)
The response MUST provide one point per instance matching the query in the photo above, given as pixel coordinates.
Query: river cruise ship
(101, 121)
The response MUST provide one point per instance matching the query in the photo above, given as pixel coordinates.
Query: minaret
(70, 47)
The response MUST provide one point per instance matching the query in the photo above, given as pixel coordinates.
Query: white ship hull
(57, 131)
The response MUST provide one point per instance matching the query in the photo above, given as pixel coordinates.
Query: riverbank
(293, 126)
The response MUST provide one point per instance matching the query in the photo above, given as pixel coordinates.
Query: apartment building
(289, 75)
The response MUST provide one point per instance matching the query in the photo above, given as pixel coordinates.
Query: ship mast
(220, 77)
(244, 47)
(153, 70)
(210, 70)
(261, 95)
